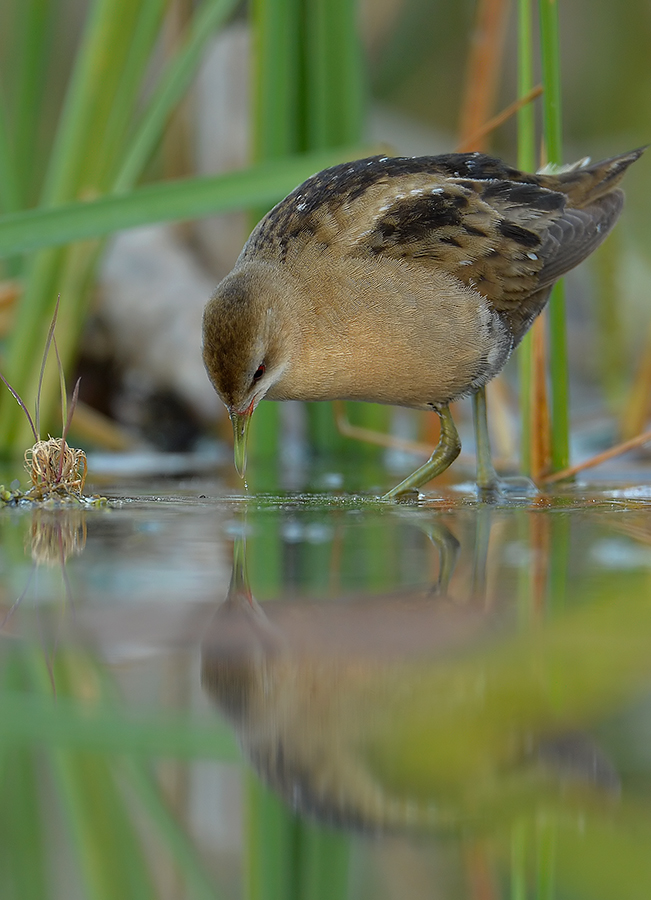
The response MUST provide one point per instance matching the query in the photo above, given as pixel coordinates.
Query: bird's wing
(506, 233)
(506, 239)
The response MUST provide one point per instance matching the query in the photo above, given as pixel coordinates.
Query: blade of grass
(20, 403)
(173, 84)
(188, 198)
(71, 411)
(545, 842)
(559, 376)
(62, 386)
(48, 342)
(333, 113)
(22, 864)
(471, 142)
(518, 861)
(106, 845)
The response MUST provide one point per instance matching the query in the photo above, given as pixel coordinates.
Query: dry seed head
(55, 467)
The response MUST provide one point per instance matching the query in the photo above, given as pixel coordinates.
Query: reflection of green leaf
(97, 760)
(39, 720)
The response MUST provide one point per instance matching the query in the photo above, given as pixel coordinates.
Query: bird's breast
(383, 333)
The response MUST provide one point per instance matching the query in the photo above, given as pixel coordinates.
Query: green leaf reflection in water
(486, 733)
(76, 777)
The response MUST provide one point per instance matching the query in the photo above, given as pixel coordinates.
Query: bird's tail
(588, 183)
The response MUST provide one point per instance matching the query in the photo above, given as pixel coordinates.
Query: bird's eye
(259, 372)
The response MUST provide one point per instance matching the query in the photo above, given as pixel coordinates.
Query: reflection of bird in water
(386, 712)
(406, 281)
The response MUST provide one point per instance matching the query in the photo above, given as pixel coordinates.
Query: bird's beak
(241, 422)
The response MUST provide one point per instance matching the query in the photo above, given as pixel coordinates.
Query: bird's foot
(516, 487)
(446, 452)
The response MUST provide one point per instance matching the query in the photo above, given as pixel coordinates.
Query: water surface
(208, 693)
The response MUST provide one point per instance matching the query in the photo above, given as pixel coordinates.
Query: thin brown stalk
(380, 438)
(50, 337)
(613, 452)
(20, 403)
(474, 141)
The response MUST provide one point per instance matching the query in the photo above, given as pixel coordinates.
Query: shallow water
(206, 693)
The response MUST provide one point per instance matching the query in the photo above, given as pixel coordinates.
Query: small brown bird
(406, 281)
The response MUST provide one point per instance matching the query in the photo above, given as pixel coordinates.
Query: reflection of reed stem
(539, 409)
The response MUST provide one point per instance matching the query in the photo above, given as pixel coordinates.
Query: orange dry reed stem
(484, 68)
(540, 430)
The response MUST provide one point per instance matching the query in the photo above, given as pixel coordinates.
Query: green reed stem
(91, 94)
(9, 191)
(325, 858)
(270, 845)
(276, 60)
(110, 856)
(275, 125)
(30, 59)
(559, 376)
(173, 84)
(121, 115)
(141, 784)
(334, 117)
(526, 125)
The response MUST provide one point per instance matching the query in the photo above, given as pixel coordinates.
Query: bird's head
(245, 345)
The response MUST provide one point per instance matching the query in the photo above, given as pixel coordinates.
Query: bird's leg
(448, 550)
(490, 487)
(447, 450)
(486, 475)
